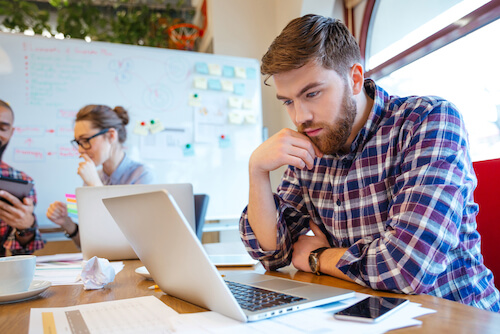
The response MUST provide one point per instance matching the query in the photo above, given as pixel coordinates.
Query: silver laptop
(179, 265)
(99, 234)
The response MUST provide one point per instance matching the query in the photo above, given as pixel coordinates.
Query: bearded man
(18, 227)
(384, 183)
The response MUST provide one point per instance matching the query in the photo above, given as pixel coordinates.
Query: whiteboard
(194, 118)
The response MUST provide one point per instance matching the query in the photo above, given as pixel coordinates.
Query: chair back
(487, 196)
(200, 210)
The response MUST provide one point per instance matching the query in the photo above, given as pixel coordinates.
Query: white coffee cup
(16, 273)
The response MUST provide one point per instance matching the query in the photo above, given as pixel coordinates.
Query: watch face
(313, 262)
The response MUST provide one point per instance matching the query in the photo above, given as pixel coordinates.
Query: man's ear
(357, 78)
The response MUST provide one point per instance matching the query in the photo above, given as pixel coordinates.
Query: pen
(152, 287)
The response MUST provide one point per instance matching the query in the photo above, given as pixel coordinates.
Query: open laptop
(99, 234)
(179, 265)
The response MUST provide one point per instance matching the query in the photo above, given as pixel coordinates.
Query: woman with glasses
(99, 135)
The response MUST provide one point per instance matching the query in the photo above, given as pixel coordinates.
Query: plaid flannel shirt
(7, 233)
(401, 202)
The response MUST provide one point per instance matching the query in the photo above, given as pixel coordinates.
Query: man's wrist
(314, 262)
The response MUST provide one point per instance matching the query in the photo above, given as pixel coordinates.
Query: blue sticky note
(251, 73)
(188, 150)
(224, 142)
(201, 68)
(214, 84)
(228, 71)
(239, 89)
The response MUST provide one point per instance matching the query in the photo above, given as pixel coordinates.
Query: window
(458, 62)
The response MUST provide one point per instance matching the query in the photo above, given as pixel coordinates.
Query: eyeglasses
(85, 142)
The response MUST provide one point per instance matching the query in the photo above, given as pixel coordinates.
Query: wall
(247, 28)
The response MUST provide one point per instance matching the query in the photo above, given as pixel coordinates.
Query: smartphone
(371, 309)
(17, 187)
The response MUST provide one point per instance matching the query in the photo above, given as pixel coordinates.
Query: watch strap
(72, 235)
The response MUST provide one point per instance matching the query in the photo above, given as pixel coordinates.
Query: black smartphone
(371, 309)
(17, 187)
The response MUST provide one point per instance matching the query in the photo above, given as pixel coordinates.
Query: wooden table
(451, 317)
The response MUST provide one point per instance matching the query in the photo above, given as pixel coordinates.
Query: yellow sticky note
(200, 83)
(214, 69)
(194, 100)
(235, 118)
(234, 102)
(250, 118)
(240, 72)
(247, 104)
(141, 128)
(227, 85)
(156, 126)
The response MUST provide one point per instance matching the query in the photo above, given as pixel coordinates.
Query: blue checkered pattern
(401, 201)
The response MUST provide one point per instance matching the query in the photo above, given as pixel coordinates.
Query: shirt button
(339, 202)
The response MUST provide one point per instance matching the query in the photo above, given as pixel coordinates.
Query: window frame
(482, 16)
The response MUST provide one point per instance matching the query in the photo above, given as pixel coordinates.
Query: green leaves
(125, 21)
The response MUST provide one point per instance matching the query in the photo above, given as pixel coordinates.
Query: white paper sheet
(134, 315)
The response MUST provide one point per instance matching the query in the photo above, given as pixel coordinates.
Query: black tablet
(17, 187)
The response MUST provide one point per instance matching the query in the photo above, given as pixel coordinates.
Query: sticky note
(239, 89)
(194, 100)
(155, 126)
(214, 84)
(201, 68)
(214, 69)
(250, 118)
(235, 117)
(224, 141)
(71, 206)
(234, 102)
(141, 128)
(247, 104)
(251, 73)
(228, 71)
(227, 85)
(200, 83)
(188, 150)
(240, 72)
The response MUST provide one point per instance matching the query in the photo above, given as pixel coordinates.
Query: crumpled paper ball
(96, 273)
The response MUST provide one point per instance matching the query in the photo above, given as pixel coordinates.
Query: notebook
(180, 266)
(99, 234)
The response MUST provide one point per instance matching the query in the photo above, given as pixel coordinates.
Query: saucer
(143, 272)
(36, 288)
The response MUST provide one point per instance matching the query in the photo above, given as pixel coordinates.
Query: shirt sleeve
(292, 220)
(432, 198)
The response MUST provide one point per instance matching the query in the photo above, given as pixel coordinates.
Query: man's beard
(2, 149)
(334, 135)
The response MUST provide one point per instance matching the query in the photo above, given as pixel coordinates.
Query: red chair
(487, 196)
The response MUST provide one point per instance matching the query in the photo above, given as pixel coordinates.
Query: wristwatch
(72, 235)
(314, 259)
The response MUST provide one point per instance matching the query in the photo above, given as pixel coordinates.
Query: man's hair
(324, 40)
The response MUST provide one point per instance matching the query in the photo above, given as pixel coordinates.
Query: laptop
(99, 234)
(180, 266)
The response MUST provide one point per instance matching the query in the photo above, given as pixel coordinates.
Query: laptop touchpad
(278, 284)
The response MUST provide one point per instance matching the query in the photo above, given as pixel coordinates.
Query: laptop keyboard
(256, 299)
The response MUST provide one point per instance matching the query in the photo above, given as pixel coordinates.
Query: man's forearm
(328, 263)
(262, 211)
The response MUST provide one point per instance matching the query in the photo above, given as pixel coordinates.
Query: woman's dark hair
(103, 117)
